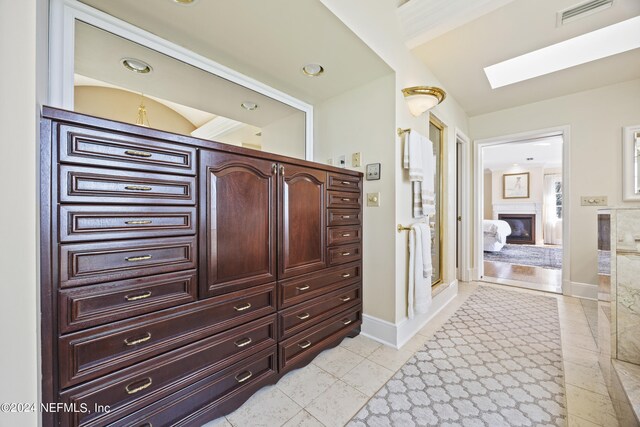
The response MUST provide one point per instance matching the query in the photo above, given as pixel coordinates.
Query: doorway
(520, 214)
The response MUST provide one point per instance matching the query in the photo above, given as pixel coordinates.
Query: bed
(495, 234)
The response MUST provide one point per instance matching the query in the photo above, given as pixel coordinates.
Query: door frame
(465, 250)
(64, 13)
(478, 199)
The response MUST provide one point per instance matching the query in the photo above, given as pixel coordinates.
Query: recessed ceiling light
(184, 2)
(607, 41)
(136, 65)
(515, 164)
(249, 106)
(313, 70)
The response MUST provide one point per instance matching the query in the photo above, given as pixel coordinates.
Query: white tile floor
(330, 390)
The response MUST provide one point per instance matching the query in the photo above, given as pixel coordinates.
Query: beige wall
(285, 136)
(596, 118)
(488, 195)
(361, 120)
(122, 105)
(536, 185)
(19, 379)
(375, 22)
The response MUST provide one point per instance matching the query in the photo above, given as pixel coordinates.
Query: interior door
(302, 220)
(239, 215)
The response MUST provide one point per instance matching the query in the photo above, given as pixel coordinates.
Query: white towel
(419, 292)
(419, 160)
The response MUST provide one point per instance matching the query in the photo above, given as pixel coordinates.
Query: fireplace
(523, 228)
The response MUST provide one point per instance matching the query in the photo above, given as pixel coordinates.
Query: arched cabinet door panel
(238, 217)
(301, 216)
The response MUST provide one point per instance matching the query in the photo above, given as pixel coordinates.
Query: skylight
(607, 41)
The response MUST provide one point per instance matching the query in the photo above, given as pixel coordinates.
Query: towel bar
(403, 131)
(401, 227)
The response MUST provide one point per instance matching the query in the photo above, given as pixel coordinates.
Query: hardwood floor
(525, 276)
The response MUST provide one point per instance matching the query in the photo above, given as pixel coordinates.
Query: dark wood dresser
(180, 275)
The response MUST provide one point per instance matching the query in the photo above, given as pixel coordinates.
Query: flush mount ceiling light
(313, 70)
(422, 98)
(249, 106)
(607, 41)
(136, 65)
(184, 2)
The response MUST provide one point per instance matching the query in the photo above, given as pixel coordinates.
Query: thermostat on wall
(373, 171)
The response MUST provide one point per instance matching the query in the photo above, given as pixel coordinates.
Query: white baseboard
(583, 290)
(397, 335)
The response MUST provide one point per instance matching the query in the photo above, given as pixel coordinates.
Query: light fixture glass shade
(423, 98)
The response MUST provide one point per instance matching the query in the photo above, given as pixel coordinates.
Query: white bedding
(495, 234)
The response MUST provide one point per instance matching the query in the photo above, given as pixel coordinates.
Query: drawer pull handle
(242, 307)
(138, 188)
(346, 235)
(345, 199)
(304, 344)
(303, 288)
(138, 297)
(345, 299)
(346, 253)
(346, 216)
(138, 258)
(242, 377)
(131, 342)
(346, 183)
(303, 316)
(137, 153)
(346, 321)
(130, 390)
(243, 342)
(345, 275)
(138, 222)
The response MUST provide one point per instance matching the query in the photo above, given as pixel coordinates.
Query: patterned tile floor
(340, 381)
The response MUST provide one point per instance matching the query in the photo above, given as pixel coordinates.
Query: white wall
(376, 23)
(285, 136)
(596, 118)
(18, 217)
(362, 121)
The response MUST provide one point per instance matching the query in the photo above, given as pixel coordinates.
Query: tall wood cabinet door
(238, 222)
(301, 216)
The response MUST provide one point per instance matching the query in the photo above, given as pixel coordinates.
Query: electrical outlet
(373, 199)
(593, 200)
(355, 160)
(342, 161)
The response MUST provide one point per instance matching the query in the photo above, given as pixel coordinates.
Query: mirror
(631, 163)
(436, 135)
(117, 79)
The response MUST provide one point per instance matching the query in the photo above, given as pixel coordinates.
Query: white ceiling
(98, 55)
(546, 153)
(458, 56)
(267, 40)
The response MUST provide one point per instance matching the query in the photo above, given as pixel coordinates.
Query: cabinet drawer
(130, 389)
(344, 254)
(95, 147)
(344, 217)
(94, 305)
(312, 341)
(343, 235)
(209, 398)
(94, 185)
(94, 352)
(344, 182)
(303, 288)
(82, 223)
(88, 263)
(336, 199)
(301, 316)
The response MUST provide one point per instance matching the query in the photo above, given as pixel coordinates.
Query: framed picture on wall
(515, 185)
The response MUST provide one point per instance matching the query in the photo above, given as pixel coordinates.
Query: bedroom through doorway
(522, 217)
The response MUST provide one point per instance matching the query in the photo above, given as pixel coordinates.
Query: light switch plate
(593, 200)
(373, 171)
(355, 160)
(373, 199)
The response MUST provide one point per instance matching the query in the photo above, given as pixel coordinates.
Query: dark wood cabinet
(302, 220)
(180, 275)
(238, 214)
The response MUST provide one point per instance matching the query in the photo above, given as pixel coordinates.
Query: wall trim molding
(583, 290)
(397, 335)
(63, 15)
